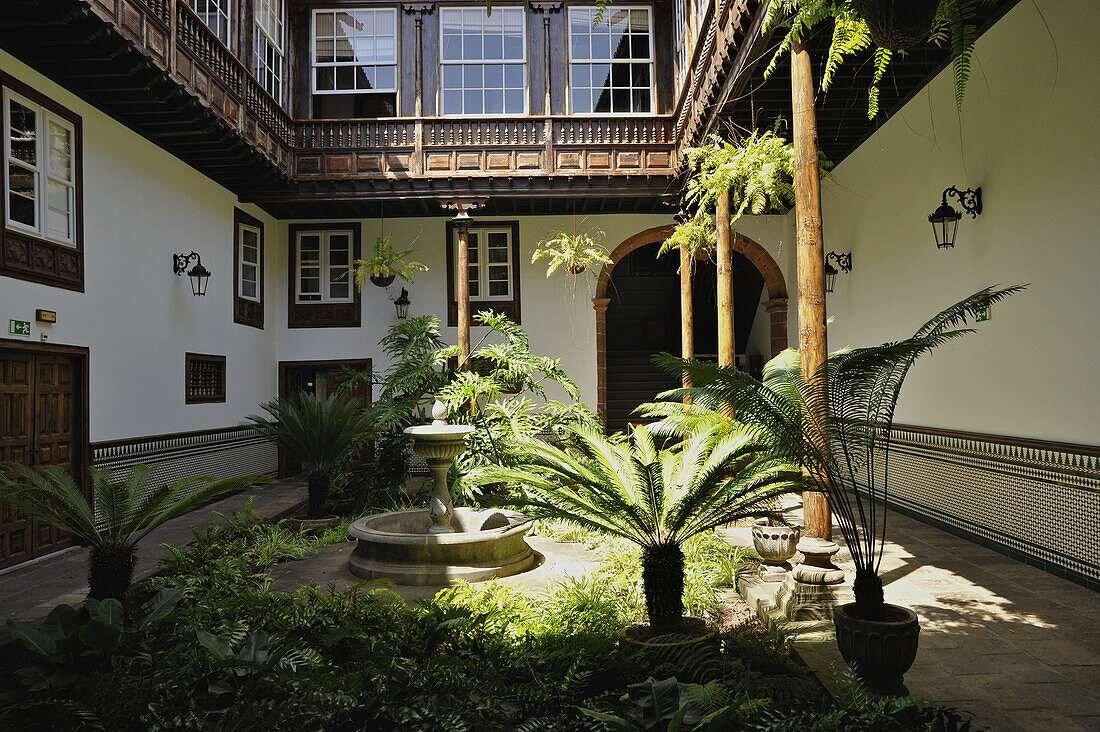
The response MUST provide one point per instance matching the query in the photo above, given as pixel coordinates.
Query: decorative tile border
(1036, 501)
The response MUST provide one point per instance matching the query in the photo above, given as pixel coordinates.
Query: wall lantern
(402, 305)
(199, 275)
(945, 219)
(844, 261)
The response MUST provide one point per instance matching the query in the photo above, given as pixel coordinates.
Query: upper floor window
(322, 257)
(248, 255)
(324, 266)
(40, 170)
(494, 267)
(683, 33)
(269, 46)
(483, 60)
(354, 58)
(611, 62)
(216, 15)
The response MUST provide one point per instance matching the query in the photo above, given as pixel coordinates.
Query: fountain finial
(439, 412)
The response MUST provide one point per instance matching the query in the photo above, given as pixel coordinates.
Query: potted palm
(322, 435)
(836, 424)
(127, 511)
(575, 253)
(656, 498)
(386, 264)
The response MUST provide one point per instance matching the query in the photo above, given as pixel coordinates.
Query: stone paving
(1014, 645)
(28, 592)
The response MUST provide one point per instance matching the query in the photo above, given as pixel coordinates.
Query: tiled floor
(1014, 645)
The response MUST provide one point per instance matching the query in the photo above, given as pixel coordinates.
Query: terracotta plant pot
(775, 544)
(898, 24)
(880, 650)
(382, 281)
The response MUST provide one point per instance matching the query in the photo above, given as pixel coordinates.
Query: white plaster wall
(138, 319)
(1028, 136)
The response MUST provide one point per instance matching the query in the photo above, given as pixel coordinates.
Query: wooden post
(726, 344)
(462, 294)
(812, 337)
(687, 313)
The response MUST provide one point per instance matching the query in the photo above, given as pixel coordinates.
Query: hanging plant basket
(382, 281)
(703, 254)
(898, 24)
(578, 268)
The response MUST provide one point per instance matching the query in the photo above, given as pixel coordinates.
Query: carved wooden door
(39, 413)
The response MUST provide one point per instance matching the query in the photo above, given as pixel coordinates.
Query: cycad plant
(127, 510)
(323, 435)
(656, 498)
(836, 424)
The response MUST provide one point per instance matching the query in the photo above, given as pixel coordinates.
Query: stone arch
(775, 306)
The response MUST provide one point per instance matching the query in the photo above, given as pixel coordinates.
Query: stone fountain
(441, 544)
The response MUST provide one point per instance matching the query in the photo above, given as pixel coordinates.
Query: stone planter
(775, 544)
(880, 650)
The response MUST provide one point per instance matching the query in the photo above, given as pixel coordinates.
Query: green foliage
(953, 26)
(697, 234)
(320, 434)
(385, 261)
(835, 423)
(575, 252)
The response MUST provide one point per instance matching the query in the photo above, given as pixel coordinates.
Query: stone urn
(881, 651)
(775, 544)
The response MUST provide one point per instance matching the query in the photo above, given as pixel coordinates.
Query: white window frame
(326, 271)
(315, 64)
(485, 62)
(42, 175)
(241, 228)
(270, 10)
(607, 19)
(222, 9)
(483, 263)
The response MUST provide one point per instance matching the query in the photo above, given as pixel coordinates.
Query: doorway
(320, 379)
(43, 421)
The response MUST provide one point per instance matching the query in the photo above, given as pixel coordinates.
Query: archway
(775, 306)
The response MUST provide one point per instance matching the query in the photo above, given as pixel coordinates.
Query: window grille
(205, 378)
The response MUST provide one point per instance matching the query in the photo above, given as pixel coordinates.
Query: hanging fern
(953, 26)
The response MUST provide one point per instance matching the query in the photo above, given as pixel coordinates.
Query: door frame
(285, 366)
(81, 442)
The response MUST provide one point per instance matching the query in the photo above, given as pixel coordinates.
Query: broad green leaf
(108, 611)
(102, 636)
(160, 605)
(214, 644)
(612, 721)
(61, 622)
(32, 638)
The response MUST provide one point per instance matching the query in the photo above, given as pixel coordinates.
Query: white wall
(1028, 136)
(138, 319)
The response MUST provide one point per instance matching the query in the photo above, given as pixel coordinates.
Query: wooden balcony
(154, 65)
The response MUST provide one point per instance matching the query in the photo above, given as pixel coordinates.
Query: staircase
(631, 380)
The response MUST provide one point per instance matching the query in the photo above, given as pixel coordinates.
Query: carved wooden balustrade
(539, 145)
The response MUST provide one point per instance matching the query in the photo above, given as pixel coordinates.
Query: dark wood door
(40, 422)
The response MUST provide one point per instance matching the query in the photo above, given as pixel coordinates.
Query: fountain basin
(397, 546)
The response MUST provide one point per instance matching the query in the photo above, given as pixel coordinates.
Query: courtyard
(673, 365)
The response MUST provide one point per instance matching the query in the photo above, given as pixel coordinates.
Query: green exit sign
(19, 328)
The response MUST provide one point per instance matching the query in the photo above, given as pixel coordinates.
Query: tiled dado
(323, 165)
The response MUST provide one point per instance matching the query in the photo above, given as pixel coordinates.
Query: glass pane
(498, 254)
(21, 209)
(338, 258)
(475, 289)
(324, 24)
(57, 196)
(452, 47)
(602, 103)
(472, 48)
(339, 290)
(513, 76)
(498, 289)
(497, 239)
(326, 79)
(498, 272)
(582, 47)
(249, 273)
(601, 75)
(494, 101)
(452, 102)
(24, 133)
(61, 152)
(471, 102)
(345, 77)
(57, 224)
(494, 76)
(309, 285)
(513, 101)
(325, 50)
(582, 101)
(248, 289)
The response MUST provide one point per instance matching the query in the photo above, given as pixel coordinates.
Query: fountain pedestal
(439, 444)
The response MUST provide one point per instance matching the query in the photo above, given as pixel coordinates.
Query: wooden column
(687, 313)
(600, 304)
(462, 295)
(812, 341)
(726, 344)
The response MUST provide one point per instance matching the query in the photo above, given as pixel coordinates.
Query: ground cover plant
(207, 645)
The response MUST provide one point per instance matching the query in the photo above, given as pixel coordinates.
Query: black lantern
(844, 261)
(200, 276)
(945, 219)
(402, 304)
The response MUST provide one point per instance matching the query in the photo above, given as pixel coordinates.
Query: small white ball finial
(439, 412)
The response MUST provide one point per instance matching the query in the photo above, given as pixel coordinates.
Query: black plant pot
(382, 281)
(110, 570)
(898, 24)
(880, 650)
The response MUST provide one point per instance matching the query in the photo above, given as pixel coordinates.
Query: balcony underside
(118, 56)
